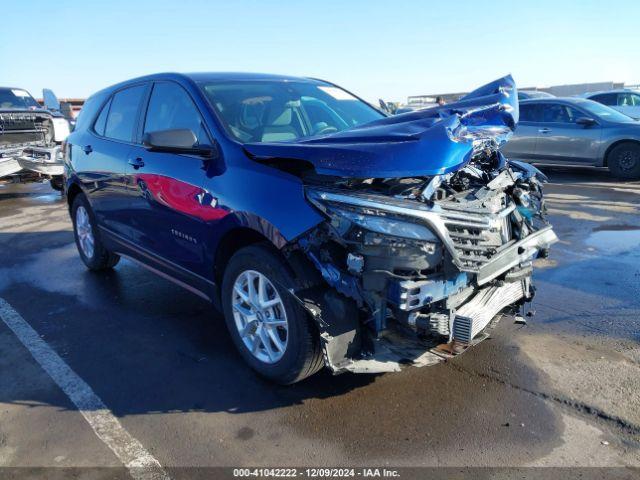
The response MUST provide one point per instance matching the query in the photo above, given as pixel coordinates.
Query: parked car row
(31, 137)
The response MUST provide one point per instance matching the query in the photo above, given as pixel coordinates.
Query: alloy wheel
(260, 316)
(84, 231)
(628, 159)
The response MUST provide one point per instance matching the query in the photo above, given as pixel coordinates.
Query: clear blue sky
(387, 49)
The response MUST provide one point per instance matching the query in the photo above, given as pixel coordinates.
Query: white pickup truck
(31, 137)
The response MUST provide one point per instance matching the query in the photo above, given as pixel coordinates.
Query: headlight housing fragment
(345, 211)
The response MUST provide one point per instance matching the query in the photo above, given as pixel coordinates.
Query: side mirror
(51, 102)
(585, 121)
(178, 140)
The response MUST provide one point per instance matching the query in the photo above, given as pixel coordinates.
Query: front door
(168, 205)
(562, 140)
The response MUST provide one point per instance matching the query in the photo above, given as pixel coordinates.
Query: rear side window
(123, 113)
(101, 121)
(529, 113)
(171, 107)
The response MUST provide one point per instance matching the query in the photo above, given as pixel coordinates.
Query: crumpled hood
(422, 143)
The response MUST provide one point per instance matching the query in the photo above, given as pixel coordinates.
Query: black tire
(101, 259)
(303, 355)
(624, 161)
(56, 183)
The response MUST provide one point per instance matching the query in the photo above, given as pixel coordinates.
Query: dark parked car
(327, 233)
(576, 131)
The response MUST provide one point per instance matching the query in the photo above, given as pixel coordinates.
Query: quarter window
(170, 107)
(101, 122)
(123, 113)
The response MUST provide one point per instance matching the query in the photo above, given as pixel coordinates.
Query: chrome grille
(477, 237)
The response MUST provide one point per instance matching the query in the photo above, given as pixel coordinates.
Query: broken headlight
(345, 211)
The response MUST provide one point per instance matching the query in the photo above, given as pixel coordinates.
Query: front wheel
(269, 328)
(90, 247)
(56, 183)
(624, 161)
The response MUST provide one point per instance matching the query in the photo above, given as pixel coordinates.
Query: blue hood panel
(422, 143)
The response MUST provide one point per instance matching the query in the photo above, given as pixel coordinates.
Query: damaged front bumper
(415, 280)
(9, 165)
(42, 160)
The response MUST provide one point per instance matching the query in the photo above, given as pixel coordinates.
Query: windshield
(604, 112)
(283, 111)
(17, 98)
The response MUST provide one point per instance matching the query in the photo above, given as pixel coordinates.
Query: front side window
(170, 107)
(123, 114)
(285, 111)
(558, 113)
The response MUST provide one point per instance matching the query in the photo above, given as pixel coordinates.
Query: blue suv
(326, 232)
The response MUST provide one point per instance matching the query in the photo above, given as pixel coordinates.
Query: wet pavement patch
(614, 241)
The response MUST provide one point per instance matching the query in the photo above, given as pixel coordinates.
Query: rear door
(562, 140)
(168, 206)
(522, 144)
(101, 158)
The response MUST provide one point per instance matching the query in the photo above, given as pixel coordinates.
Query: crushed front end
(428, 261)
(30, 143)
(420, 263)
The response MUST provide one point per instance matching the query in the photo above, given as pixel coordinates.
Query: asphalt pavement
(563, 390)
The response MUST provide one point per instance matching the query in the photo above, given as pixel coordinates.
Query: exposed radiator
(472, 317)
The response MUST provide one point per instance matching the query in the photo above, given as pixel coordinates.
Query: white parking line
(140, 463)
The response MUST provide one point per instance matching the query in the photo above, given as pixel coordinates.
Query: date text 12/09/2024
(315, 472)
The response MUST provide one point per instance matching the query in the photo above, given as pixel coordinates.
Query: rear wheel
(624, 160)
(92, 251)
(269, 328)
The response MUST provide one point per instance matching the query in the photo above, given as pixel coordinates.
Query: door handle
(87, 149)
(136, 163)
(544, 130)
